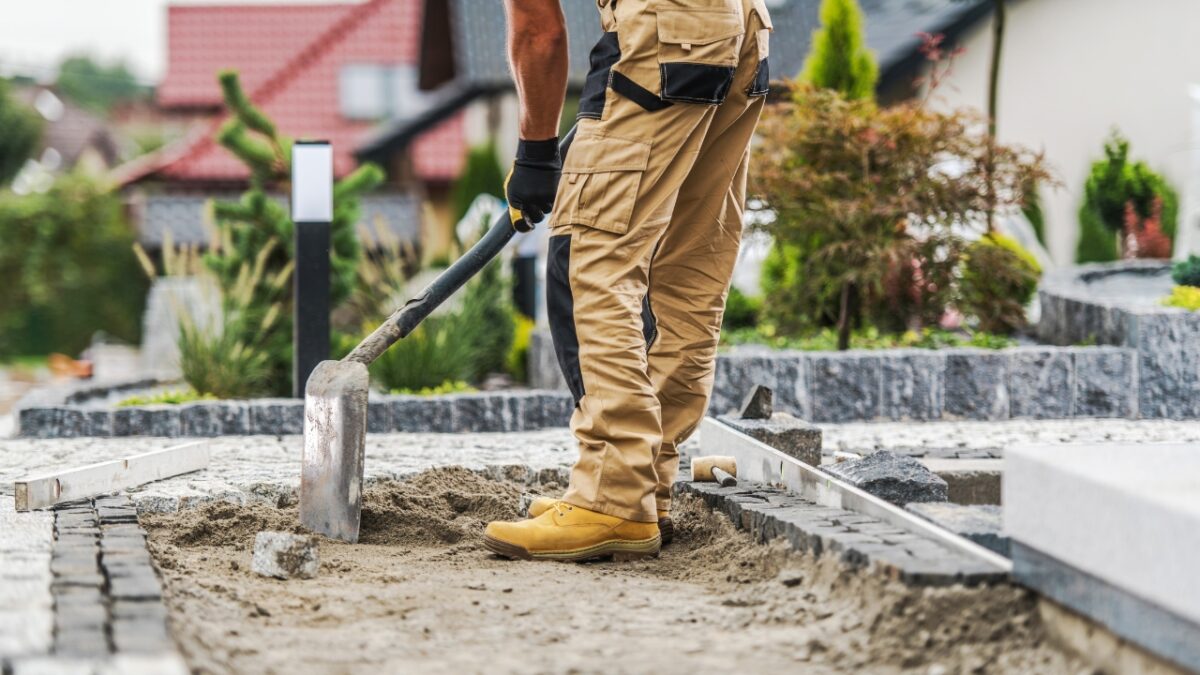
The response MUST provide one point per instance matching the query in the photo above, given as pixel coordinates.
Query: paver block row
(858, 540)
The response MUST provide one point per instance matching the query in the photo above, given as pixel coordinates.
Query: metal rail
(757, 461)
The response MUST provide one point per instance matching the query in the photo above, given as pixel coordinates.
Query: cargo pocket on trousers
(600, 182)
(698, 53)
(762, 74)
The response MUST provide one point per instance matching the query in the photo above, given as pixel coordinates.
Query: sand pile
(420, 594)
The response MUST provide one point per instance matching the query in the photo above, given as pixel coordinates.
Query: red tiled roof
(292, 75)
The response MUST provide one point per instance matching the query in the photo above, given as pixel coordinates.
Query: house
(1071, 72)
(328, 71)
(73, 139)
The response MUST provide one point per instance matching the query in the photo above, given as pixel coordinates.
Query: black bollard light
(312, 212)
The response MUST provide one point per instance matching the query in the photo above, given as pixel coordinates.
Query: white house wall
(1072, 71)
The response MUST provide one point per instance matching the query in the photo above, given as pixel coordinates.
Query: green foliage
(246, 226)
(67, 270)
(875, 229)
(999, 278)
(1096, 242)
(839, 58)
(233, 359)
(466, 344)
(97, 87)
(517, 361)
(482, 175)
(741, 310)
(1184, 297)
(166, 398)
(22, 129)
(867, 338)
(447, 387)
(1187, 272)
(1113, 184)
(1034, 213)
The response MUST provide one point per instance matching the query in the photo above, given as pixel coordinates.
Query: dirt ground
(419, 594)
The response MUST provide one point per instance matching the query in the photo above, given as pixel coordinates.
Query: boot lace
(562, 507)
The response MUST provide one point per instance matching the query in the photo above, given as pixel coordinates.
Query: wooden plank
(757, 461)
(44, 491)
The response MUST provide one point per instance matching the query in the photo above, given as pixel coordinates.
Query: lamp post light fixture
(312, 213)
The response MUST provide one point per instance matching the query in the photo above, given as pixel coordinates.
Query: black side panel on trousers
(649, 323)
(606, 53)
(637, 93)
(695, 82)
(762, 80)
(560, 310)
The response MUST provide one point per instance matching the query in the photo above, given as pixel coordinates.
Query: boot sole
(666, 530)
(620, 550)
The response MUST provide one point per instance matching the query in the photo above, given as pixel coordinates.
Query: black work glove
(531, 184)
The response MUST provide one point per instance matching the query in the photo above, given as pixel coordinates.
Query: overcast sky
(36, 34)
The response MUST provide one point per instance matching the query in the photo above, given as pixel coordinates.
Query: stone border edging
(475, 412)
(1034, 382)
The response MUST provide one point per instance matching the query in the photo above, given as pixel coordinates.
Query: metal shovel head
(335, 430)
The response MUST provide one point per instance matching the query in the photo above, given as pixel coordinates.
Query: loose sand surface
(419, 594)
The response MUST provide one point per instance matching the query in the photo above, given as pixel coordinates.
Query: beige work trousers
(645, 234)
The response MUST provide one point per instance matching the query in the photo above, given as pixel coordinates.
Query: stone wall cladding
(474, 412)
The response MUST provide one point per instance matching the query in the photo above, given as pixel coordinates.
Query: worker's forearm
(537, 49)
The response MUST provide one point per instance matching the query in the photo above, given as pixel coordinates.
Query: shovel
(335, 396)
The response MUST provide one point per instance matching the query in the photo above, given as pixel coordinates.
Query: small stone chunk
(284, 555)
(758, 404)
(898, 479)
(791, 436)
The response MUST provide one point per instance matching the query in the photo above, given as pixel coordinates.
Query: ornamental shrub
(1114, 187)
(1184, 297)
(998, 278)
(839, 58)
(868, 193)
(1187, 272)
(22, 129)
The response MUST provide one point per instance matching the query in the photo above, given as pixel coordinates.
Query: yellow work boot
(665, 527)
(568, 532)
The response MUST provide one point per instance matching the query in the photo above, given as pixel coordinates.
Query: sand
(419, 594)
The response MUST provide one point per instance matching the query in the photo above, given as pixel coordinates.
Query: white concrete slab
(1126, 514)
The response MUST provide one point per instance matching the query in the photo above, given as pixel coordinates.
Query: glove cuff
(538, 151)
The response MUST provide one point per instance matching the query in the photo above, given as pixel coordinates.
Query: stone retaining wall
(918, 384)
(488, 411)
(1165, 339)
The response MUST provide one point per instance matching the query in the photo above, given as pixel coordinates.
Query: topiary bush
(1187, 272)
(998, 278)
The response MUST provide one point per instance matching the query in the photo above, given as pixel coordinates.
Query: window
(368, 91)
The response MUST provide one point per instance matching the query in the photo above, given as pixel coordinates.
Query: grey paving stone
(739, 371)
(140, 636)
(116, 501)
(976, 384)
(140, 610)
(81, 643)
(77, 596)
(40, 422)
(1041, 382)
(142, 587)
(84, 580)
(79, 564)
(99, 423)
(122, 543)
(81, 617)
(212, 418)
(844, 387)
(913, 383)
(896, 478)
(379, 416)
(782, 431)
(156, 420)
(981, 524)
(1105, 382)
(276, 417)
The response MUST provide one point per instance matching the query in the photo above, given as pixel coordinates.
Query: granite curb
(451, 413)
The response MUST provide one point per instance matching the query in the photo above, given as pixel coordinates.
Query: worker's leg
(690, 273)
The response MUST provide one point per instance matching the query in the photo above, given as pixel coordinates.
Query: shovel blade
(335, 430)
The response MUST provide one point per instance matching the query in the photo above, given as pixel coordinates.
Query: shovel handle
(412, 313)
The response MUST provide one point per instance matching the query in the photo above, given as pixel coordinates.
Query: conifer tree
(839, 58)
(258, 220)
